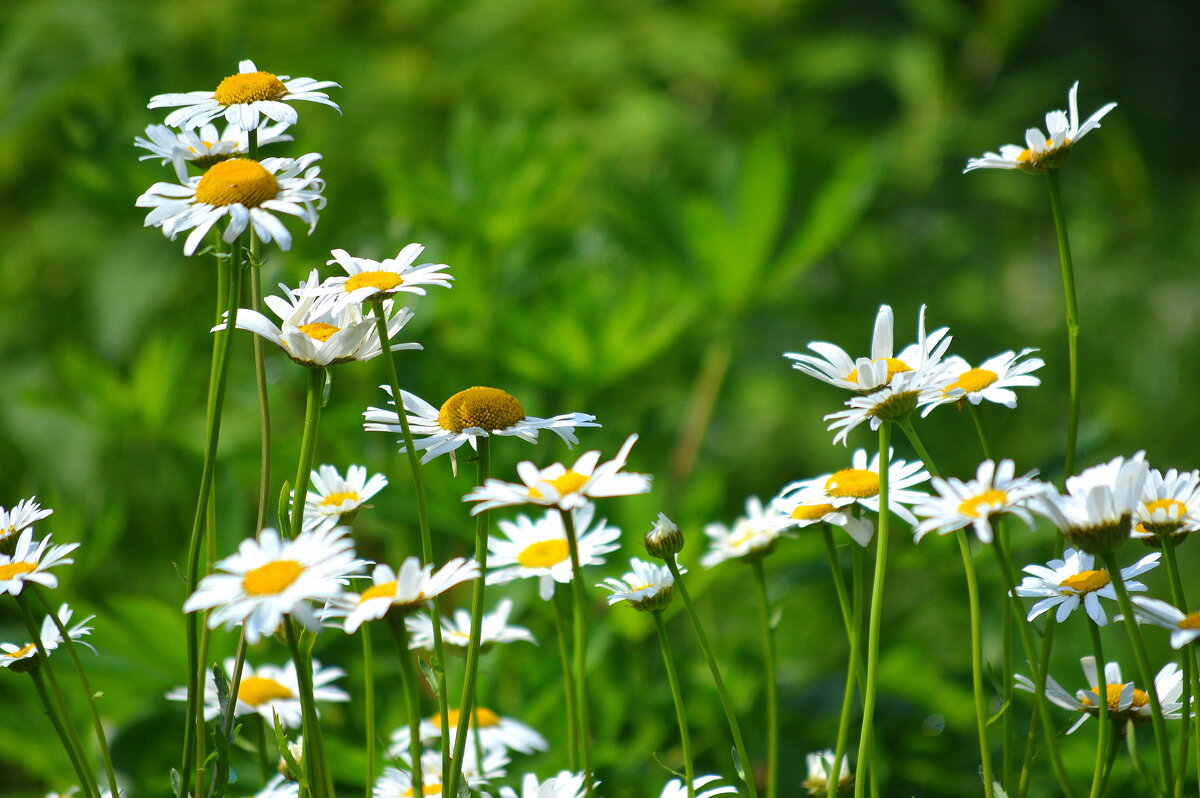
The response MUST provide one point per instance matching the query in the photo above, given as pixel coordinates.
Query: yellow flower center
(981, 505)
(20, 652)
(487, 408)
(426, 789)
(483, 718)
(15, 569)
(238, 181)
(380, 281)
(1029, 156)
(1086, 581)
(812, 513)
(1167, 505)
(544, 553)
(249, 87)
(255, 690)
(1191, 621)
(567, 482)
(384, 590)
(6, 532)
(1113, 697)
(894, 367)
(272, 578)
(973, 380)
(855, 483)
(335, 499)
(318, 330)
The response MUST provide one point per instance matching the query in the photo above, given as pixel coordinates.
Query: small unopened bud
(295, 752)
(820, 765)
(664, 539)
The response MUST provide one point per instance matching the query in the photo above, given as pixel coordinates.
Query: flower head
(30, 562)
(204, 147)
(859, 485)
(1185, 627)
(1096, 513)
(991, 381)
(752, 536)
(397, 783)
(269, 691)
(457, 631)
(539, 549)
(820, 766)
(496, 733)
(1123, 699)
(367, 278)
(995, 491)
(1068, 582)
(565, 785)
(335, 501)
(648, 587)
(404, 591)
(675, 788)
(1170, 507)
(664, 538)
(19, 657)
(895, 402)
(15, 521)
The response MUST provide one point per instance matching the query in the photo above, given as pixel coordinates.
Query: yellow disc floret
(894, 367)
(482, 716)
(983, 504)
(380, 281)
(1173, 508)
(973, 380)
(486, 408)
(1191, 621)
(15, 569)
(238, 181)
(249, 87)
(318, 330)
(1086, 581)
(543, 554)
(812, 512)
(855, 483)
(255, 690)
(20, 652)
(272, 578)
(335, 499)
(383, 590)
(1113, 697)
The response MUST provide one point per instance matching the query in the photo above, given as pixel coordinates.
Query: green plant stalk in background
(308, 447)
(582, 702)
(1105, 722)
(769, 656)
(368, 707)
(1068, 278)
(562, 620)
(316, 763)
(685, 738)
(412, 692)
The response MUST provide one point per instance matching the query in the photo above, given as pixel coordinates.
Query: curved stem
(673, 677)
(874, 625)
(77, 764)
(768, 634)
(1105, 730)
(412, 690)
(308, 447)
(320, 781)
(985, 755)
(369, 704)
(581, 686)
(562, 620)
(1068, 278)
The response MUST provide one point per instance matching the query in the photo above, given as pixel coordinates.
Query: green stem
(673, 677)
(264, 757)
(985, 755)
(1006, 690)
(308, 446)
(768, 635)
(260, 369)
(79, 766)
(977, 417)
(853, 670)
(562, 620)
(1068, 278)
(1105, 730)
(369, 702)
(848, 608)
(315, 763)
(874, 625)
(744, 764)
(412, 690)
(580, 628)
(1179, 598)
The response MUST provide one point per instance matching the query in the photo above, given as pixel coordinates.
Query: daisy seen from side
(995, 491)
(51, 638)
(894, 402)
(752, 535)
(992, 381)
(1096, 513)
(1068, 582)
(1170, 507)
(648, 587)
(335, 500)
(1124, 700)
(23, 515)
(31, 562)
(270, 691)
(366, 278)
(538, 549)
(403, 591)
(859, 485)
(204, 147)
(1184, 626)
(496, 733)
(801, 513)
(456, 631)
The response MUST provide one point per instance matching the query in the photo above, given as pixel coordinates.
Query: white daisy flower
(496, 733)
(994, 491)
(648, 587)
(991, 381)
(565, 785)
(820, 765)
(752, 535)
(269, 691)
(1185, 627)
(897, 401)
(204, 147)
(270, 578)
(31, 563)
(833, 365)
(50, 636)
(248, 193)
(335, 501)
(859, 484)
(366, 278)
(1067, 582)
(13, 522)
(1096, 514)
(1042, 151)
(1124, 700)
(562, 487)
(397, 783)
(675, 788)
(279, 787)
(539, 549)
(1170, 506)
(405, 591)
(241, 98)
(802, 513)
(457, 631)
(467, 415)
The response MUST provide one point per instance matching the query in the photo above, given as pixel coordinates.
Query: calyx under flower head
(664, 540)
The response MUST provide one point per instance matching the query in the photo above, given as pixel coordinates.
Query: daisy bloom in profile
(496, 733)
(859, 484)
(1185, 627)
(241, 98)
(992, 381)
(269, 691)
(1096, 514)
(565, 785)
(334, 501)
(649, 587)
(279, 787)
(675, 788)
(801, 513)
(397, 783)
(457, 632)
(367, 278)
(753, 535)
(475, 413)
(15, 521)
(895, 402)
(247, 193)
(820, 765)
(539, 549)
(562, 487)
(404, 591)
(995, 491)
(833, 365)
(1125, 700)
(11, 654)
(1170, 507)
(1070, 581)
(1042, 151)
(269, 578)
(31, 562)
(204, 147)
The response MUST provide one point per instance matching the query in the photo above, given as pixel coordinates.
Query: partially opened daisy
(995, 491)
(367, 278)
(1184, 626)
(468, 415)
(1046, 150)
(648, 587)
(1066, 583)
(820, 766)
(992, 381)
(243, 192)
(241, 98)
(269, 579)
(12, 654)
(895, 402)
(457, 631)
(562, 487)
(496, 733)
(752, 535)
(833, 365)
(1096, 514)
(1124, 700)
(404, 591)
(269, 691)
(30, 562)
(204, 147)
(675, 788)
(802, 513)
(13, 522)
(335, 501)
(565, 785)
(1170, 507)
(538, 549)
(859, 484)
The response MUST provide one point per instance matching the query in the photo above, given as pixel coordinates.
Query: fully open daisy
(538, 549)
(1184, 626)
(1067, 582)
(859, 484)
(334, 500)
(15, 521)
(820, 766)
(367, 278)
(204, 147)
(894, 402)
(1096, 513)
(404, 591)
(752, 535)
(457, 631)
(564, 785)
(30, 562)
(269, 578)
(648, 587)
(496, 733)
(995, 491)
(475, 413)
(1042, 151)
(1123, 699)
(992, 381)
(397, 783)
(675, 788)
(802, 513)
(1170, 507)
(51, 638)
(269, 691)
(241, 98)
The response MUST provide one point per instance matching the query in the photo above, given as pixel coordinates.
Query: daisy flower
(457, 632)
(562, 487)
(895, 402)
(859, 484)
(565, 785)
(335, 501)
(753, 535)
(539, 549)
(248, 193)
(11, 654)
(833, 365)
(820, 765)
(269, 691)
(1185, 627)
(995, 491)
(991, 381)
(675, 788)
(468, 415)
(270, 578)
(1125, 700)
(13, 522)
(397, 783)
(279, 787)
(241, 98)
(367, 278)
(31, 563)
(1042, 151)
(801, 513)
(1096, 513)
(1067, 582)
(204, 147)
(405, 591)
(1170, 507)
(664, 538)
(496, 733)
(648, 587)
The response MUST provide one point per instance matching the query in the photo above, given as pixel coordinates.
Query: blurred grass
(645, 204)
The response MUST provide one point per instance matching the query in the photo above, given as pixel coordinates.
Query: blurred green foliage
(644, 204)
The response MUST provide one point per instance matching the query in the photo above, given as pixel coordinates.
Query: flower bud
(664, 539)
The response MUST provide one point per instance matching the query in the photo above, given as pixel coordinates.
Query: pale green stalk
(260, 369)
(264, 761)
(412, 691)
(78, 764)
(854, 673)
(1009, 728)
(685, 738)
(848, 607)
(979, 430)
(562, 619)
(768, 634)
(308, 447)
(1179, 598)
(1068, 278)
(315, 763)
(369, 704)
(1105, 730)
(580, 628)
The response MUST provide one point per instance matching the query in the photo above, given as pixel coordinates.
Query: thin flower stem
(264, 757)
(769, 655)
(1179, 598)
(562, 620)
(260, 368)
(977, 417)
(1143, 662)
(316, 765)
(1190, 653)
(369, 705)
(235, 684)
(850, 608)
(1068, 278)
(580, 629)
(308, 447)
(744, 764)
(685, 738)
(412, 690)
(1106, 722)
(466, 706)
(1009, 728)
(76, 763)
(853, 669)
